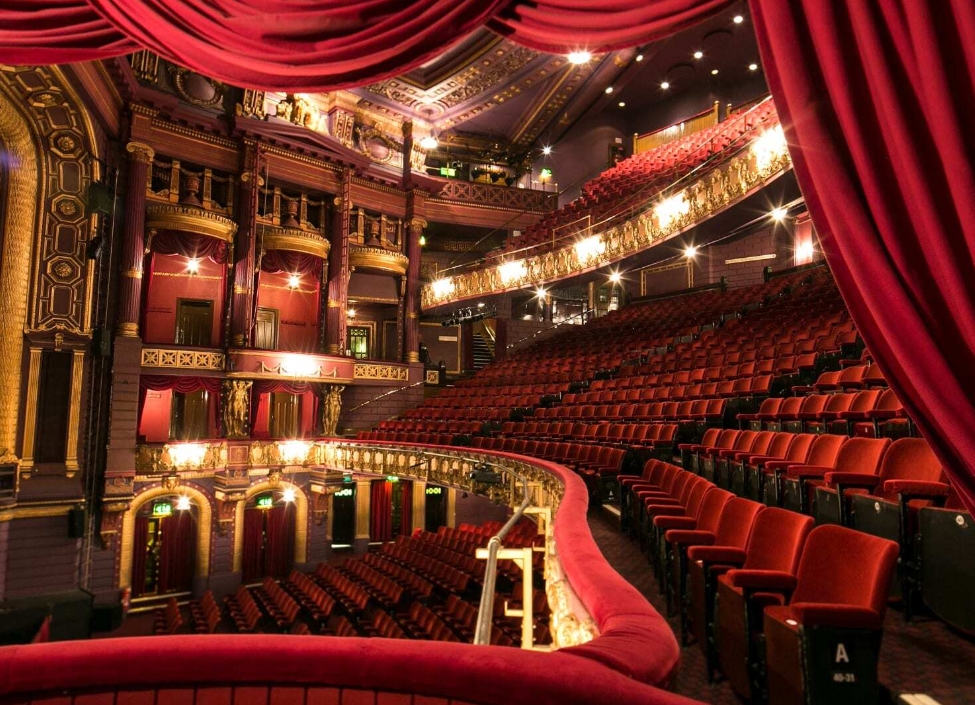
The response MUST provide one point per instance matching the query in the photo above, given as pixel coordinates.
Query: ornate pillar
(74, 411)
(363, 511)
(248, 192)
(323, 309)
(400, 314)
(419, 504)
(451, 507)
(412, 298)
(338, 268)
(133, 237)
(30, 410)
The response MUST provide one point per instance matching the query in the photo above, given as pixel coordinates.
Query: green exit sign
(448, 171)
(162, 509)
(546, 173)
(434, 490)
(265, 501)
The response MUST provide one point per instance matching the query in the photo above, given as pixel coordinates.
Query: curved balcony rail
(609, 643)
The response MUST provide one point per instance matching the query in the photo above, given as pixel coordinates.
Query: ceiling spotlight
(183, 503)
(639, 57)
(288, 495)
(753, 67)
(615, 277)
(350, 313)
(690, 251)
(429, 142)
(779, 214)
(698, 54)
(579, 57)
(738, 19)
(609, 89)
(622, 104)
(714, 72)
(540, 292)
(193, 266)
(665, 85)
(293, 281)
(546, 150)
(481, 305)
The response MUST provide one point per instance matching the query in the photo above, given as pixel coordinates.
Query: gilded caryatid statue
(236, 407)
(331, 408)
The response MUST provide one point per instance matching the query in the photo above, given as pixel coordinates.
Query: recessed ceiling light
(698, 54)
(739, 19)
(622, 104)
(546, 150)
(753, 67)
(609, 89)
(665, 85)
(579, 57)
(714, 72)
(639, 57)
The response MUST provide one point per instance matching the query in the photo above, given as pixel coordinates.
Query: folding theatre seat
(743, 468)
(767, 410)
(788, 411)
(842, 421)
(822, 451)
(649, 478)
(858, 456)
(749, 443)
(888, 419)
(702, 459)
(815, 421)
(683, 498)
(823, 645)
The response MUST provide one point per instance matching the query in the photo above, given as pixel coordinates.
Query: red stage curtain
(285, 261)
(878, 103)
(252, 558)
(191, 245)
(139, 539)
(406, 514)
(280, 540)
(177, 554)
(381, 511)
(57, 32)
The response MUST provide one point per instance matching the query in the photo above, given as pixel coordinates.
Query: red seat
(857, 455)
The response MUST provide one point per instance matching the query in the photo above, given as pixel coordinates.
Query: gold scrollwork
(377, 259)
(174, 216)
(182, 359)
(368, 370)
(277, 237)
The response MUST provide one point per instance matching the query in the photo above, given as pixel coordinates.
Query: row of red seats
(205, 613)
(758, 385)
(352, 596)
(317, 602)
(280, 607)
(410, 581)
(869, 413)
(168, 618)
(627, 435)
(386, 591)
(243, 610)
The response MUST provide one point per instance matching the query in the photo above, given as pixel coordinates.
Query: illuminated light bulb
(753, 67)
(443, 287)
(579, 57)
(288, 495)
(779, 214)
(429, 142)
(609, 89)
(540, 292)
(622, 104)
(690, 251)
(293, 281)
(183, 503)
(351, 313)
(639, 57)
(804, 252)
(714, 72)
(615, 277)
(698, 54)
(481, 305)
(193, 266)
(665, 85)
(546, 150)
(293, 452)
(738, 19)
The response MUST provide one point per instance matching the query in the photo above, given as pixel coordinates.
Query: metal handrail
(482, 634)
(581, 314)
(386, 394)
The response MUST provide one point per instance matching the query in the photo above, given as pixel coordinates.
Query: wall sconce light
(193, 266)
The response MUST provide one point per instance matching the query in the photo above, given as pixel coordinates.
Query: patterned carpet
(921, 657)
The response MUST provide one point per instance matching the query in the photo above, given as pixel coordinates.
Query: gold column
(419, 504)
(451, 507)
(363, 501)
(330, 519)
(74, 411)
(30, 413)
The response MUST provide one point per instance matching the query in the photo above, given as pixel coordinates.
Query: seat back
(779, 447)
(745, 441)
(770, 405)
(736, 522)
(761, 442)
(845, 567)
(800, 445)
(776, 540)
(911, 459)
(825, 449)
(865, 400)
(814, 404)
(711, 508)
(727, 438)
(839, 402)
(862, 455)
(791, 406)
(889, 402)
(710, 437)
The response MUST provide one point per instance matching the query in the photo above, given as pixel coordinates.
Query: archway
(203, 530)
(164, 546)
(300, 544)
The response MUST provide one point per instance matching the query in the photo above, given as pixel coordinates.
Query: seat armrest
(762, 579)
(813, 614)
(884, 413)
(689, 537)
(665, 510)
(779, 464)
(853, 479)
(759, 459)
(809, 415)
(674, 522)
(717, 554)
(916, 488)
(804, 471)
(691, 447)
(728, 453)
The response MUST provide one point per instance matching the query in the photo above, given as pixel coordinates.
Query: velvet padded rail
(876, 99)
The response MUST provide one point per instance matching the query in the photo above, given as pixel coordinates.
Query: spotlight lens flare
(579, 57)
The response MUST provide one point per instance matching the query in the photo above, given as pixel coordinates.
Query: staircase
(483, 350)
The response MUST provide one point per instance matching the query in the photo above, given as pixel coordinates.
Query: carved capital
(140, 152)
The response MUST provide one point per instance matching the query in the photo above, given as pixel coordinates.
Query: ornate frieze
(270, 364)
(487, 195)
(372, 370)
(191, 219)
(311, 242)
(175, 358)
(377, 259)
(661, 218)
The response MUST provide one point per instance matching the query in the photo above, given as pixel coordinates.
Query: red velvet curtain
(139, 555)
(177, 553)
(191, 245)
(381, 511)
(279, 548)
(878, 104)
(252, 558)
(277, 261)
(263, 387)
(182, 385)
(406, 511)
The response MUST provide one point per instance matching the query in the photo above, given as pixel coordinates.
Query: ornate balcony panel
(190, 219)
(384, 372)
(182, 359)
(377, 260)
(310, 242)
(271, 364)
(517, 199)
(662, 218)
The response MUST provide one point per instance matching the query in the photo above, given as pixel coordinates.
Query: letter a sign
(841, 655)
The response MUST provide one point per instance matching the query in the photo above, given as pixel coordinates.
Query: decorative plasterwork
(517, 199)
(294, 240)
(182, 359)
(174, 216)
(389, 373)
(377, 259)
(661, 219)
